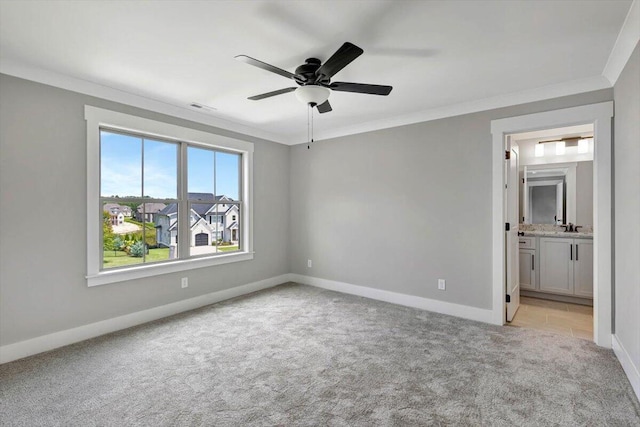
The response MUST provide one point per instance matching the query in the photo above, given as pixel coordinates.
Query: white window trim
(97, 117)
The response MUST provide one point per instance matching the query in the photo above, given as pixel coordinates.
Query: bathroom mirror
(548, 194)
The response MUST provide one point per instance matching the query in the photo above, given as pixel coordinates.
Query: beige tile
(545, 310)
(547, 304)
(531, 317)
(525, 323)
(573, 317)
(585, 335)
(576, 308)
(570, 320)
(585, 323)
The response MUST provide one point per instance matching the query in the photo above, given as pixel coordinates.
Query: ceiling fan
(314, 78)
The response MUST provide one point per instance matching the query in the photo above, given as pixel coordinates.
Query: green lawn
(120, 258)
(149, 225)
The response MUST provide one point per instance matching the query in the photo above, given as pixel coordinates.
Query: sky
(122, 171)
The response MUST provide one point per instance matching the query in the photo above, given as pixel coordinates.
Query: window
(179, 185)
(142, 173)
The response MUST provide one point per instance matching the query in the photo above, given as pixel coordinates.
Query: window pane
(200, 178)
(165, 230)
(204, 229)
(126, 241)
(120, 165)
(118, 234)
(231, 233)
(160, 169)
(228, 175)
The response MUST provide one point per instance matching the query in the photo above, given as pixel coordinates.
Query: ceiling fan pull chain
(308, 127)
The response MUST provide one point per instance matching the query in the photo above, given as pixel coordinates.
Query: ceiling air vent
(202, 107)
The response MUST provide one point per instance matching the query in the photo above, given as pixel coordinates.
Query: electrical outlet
(441, 284)
(185, 282)
(309, 263)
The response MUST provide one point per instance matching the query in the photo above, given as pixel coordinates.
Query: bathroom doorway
(554, 204)
(561, 257)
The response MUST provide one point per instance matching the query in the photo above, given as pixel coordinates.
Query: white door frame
(600, 116)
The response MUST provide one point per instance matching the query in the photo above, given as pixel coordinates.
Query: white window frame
(97, 118)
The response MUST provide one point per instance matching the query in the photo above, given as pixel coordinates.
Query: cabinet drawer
(526, 242)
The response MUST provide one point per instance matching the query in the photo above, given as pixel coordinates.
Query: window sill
(139, 272)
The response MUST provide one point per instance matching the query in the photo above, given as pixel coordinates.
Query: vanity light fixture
(583, 145)
(582, 142)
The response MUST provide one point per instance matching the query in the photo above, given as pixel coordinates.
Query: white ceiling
(436, 54)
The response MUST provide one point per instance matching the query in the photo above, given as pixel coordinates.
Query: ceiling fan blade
(325, 107)
(361, 88)
(343, 57)
(268, 67)
(270, 94)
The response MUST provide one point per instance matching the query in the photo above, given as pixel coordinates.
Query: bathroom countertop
(569, 234)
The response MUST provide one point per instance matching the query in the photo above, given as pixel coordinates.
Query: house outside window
(178, 185)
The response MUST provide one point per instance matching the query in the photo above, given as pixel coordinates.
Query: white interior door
(512, 261)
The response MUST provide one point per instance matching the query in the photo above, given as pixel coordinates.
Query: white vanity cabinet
(557, 265)
(566, 266)
(527, 263)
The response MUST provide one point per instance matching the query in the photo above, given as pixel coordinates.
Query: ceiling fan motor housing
(308, 71)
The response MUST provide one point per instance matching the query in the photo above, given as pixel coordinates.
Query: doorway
(599, 116)
(554, 215)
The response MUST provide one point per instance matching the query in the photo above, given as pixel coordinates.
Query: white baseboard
(43, 343)
(464, 311)
(630, 369)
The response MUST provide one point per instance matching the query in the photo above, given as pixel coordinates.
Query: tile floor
(572, 320)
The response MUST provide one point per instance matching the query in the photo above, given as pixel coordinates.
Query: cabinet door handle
(533, 262)
(576, 252)
(570, 252)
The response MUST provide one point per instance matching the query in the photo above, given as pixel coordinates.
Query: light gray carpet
(296, 355)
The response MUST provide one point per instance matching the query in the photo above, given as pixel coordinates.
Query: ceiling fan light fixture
(312, 94)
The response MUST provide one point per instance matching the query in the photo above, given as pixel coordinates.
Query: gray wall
(396, 209)
(627, 207)
(43, 219)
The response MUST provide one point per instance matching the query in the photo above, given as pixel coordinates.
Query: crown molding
(116, 95)
(86, 87)
(626, 42)
(507, 100)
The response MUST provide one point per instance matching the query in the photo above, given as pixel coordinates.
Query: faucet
(569, 228)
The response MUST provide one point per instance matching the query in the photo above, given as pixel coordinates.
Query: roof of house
(199, 208)
(151, 207)
(116, 209)
(196, 205)
(202, 196)
(108, 206)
